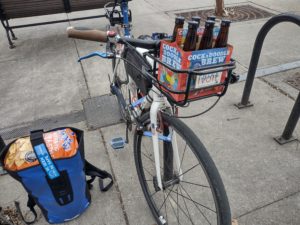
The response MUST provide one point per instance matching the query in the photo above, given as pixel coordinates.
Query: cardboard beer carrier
(201, 85)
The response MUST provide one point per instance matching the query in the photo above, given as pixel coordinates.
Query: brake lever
(100, 54)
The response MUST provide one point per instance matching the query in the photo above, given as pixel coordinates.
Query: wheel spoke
(187, 208)
(165, 199)
(193, 167)
(147, 157)
(146, 151)
(150, 160)
(198, 206)
(177, 215)
(183, 154)
(166, 208)
(152, 194)
(182, 210)
(190, 199)
(148, 172)
(200, 185)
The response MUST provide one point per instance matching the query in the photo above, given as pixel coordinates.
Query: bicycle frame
(160, 102)
(126, 24)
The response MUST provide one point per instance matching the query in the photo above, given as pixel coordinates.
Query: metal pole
(285, 17)
(291, 124)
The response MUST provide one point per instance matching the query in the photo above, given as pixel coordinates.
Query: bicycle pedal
(118, 143)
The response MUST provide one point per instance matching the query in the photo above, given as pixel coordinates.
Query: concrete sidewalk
(41, 81)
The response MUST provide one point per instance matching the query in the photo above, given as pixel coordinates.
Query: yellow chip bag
(61, 144)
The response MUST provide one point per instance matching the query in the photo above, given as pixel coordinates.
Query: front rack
(182, 97)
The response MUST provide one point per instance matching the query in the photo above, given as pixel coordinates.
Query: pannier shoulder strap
(93, 172)
(43, 155)
(58, 181)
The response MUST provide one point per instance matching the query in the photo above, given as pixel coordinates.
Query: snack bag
(61, 144)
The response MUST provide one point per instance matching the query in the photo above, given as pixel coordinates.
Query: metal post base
(280, 140)
(242, 106)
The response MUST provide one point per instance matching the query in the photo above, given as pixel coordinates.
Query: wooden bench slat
(27, 8)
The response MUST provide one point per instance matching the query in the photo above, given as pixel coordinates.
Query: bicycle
(179, 179)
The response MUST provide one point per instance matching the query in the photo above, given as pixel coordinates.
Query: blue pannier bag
(57, 185)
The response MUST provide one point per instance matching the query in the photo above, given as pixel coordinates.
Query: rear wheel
(193, 195)
(121, 82)
(121, 78)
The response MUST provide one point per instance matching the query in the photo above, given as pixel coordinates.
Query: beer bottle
(212, 18)
(222, 38)
(191, 37)
(196, 19)
(207, 37)
(179, 22)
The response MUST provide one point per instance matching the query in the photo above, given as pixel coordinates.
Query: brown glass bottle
(222, 38)
(198, 20)
(179, 22)
(191, 37)
(207, 37)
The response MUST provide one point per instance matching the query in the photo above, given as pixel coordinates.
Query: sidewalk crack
(81, 66)
(276, 88)
(115, 180)
(268, 204)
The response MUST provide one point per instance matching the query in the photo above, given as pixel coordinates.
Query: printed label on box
(208, 80)
(171, 56)
(207, 57)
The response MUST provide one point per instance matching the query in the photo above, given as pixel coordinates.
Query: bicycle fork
(170, 148)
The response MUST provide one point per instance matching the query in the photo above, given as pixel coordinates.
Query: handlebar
(102, 36)
(147, 44)
(87, 34)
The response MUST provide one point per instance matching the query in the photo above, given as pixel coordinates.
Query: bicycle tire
(121, 82)
(222, 208)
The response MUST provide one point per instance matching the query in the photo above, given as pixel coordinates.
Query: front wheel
(193, 192)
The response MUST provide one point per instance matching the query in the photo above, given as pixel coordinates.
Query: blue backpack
(59, 187)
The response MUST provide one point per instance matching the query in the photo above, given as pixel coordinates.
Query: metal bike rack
(2, 145)
(287, 135)
(294, 117)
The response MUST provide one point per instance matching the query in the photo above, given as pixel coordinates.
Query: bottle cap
(179, 20)
(196, 18)
(225, 22)
(213, 18)
(193, 24)
(209, 23)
